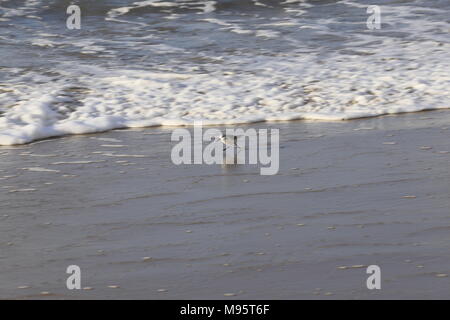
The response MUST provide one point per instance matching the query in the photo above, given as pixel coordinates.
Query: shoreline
(269, 122)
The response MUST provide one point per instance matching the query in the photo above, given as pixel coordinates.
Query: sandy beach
(348, 194)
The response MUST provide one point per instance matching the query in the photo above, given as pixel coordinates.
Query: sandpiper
(228, 141)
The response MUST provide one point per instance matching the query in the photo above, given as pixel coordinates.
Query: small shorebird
(228, 141)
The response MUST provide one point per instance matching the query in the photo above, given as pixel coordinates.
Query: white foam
(21, 11)
(113, 146)
(204, 6)
(106, 139)
(398, 76)
(23, 190)
(77, 162)
(124, 155)
(38, 169)
(43, 43)
(233, 27)
(296, 87)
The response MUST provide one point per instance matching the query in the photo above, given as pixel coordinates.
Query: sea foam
(373, 74)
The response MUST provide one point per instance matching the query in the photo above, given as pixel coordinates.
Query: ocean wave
(217, 66)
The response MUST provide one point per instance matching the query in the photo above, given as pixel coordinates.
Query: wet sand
(348, 195)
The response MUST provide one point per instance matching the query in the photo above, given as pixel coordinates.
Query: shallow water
(343, 199)
(146, 63)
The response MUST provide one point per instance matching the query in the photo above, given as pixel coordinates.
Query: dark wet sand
(357, 193)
